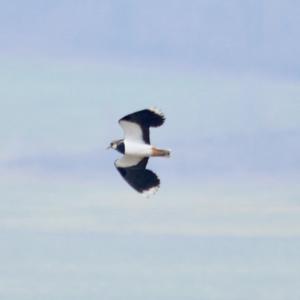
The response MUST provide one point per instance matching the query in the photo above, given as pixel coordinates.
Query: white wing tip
(150, 192)
(156, 111)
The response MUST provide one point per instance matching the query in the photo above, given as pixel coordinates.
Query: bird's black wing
(136, 125)
(137, 176)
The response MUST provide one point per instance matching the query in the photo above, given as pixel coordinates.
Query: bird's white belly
(137, 149)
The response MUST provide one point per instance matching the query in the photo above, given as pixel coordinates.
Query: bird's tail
(160, 152)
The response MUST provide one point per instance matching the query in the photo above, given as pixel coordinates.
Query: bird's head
(117, 145)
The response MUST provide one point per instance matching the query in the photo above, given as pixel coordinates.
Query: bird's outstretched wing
(136, 125)
(133, 170)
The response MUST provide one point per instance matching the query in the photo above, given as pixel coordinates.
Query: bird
(137, 149)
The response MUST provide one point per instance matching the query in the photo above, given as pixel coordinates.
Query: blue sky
(225, 223)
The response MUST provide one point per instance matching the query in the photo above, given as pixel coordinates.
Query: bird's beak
(109, 147)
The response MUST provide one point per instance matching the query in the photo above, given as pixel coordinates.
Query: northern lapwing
(136, 150)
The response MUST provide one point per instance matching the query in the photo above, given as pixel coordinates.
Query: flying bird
(136, 149)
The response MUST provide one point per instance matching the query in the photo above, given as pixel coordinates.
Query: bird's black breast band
(121, 148)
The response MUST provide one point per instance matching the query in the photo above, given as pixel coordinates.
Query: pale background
(226, 221)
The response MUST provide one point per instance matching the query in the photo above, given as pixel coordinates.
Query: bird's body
(137, 149)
